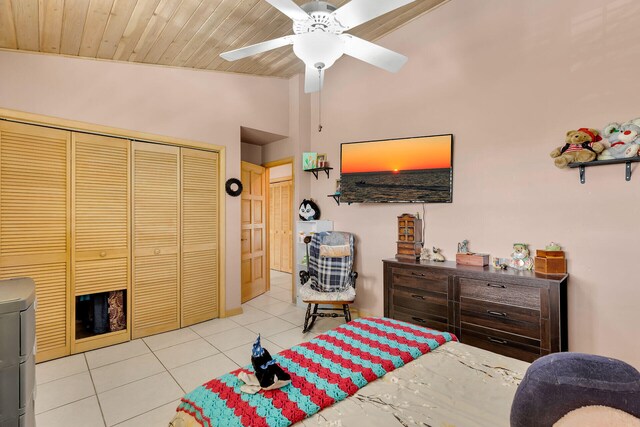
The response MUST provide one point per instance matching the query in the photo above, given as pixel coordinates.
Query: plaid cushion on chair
(328, 274)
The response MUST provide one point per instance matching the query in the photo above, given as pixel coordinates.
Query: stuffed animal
(309, 210)
(268, 375)
(581, 145)
(622, 140)
(520, 259)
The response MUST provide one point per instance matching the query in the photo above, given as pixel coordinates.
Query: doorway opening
(280, 215)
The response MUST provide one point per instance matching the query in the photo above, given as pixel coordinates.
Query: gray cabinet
(17, 352)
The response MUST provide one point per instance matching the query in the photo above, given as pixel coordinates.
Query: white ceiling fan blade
(254, 49)
(373, 54)
(357, 12)
(289, 8)
(313, 80)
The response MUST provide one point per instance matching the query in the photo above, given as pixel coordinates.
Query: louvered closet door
(274, 226)
(101, 218)
(286, 234)
(156, 239)
(34, 230)
(199, 282)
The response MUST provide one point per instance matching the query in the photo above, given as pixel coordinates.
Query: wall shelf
(336, 197)
(315, 171)
(627, 162)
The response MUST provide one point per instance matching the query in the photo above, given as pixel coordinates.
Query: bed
(451, 385)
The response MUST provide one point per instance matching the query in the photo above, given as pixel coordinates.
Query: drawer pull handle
(156, 252)
(493, 285)
(497, 341)
(420, 297)
(497, 313)
(103, 254)
(413, 273)
(417, 319)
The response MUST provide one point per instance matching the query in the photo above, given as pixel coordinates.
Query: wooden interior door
(280, 232)
(253, 235)
(275, 192)
(101, 221)
(34, 225)
(200, 228)
(156, 239)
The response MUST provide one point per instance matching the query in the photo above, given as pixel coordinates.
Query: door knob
(156, 252)
(103, 254)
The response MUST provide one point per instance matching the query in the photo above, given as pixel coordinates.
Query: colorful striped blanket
(325, 370)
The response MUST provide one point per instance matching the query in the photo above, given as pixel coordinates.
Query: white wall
(508, 79)
(251, 153)
(197, 105)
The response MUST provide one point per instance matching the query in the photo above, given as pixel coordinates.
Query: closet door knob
(156, 252)
(103, 254)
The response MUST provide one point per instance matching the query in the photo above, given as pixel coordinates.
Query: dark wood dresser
(521, 314)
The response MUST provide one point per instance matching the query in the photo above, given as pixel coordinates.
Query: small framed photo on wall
(322, 160)
(309, 161)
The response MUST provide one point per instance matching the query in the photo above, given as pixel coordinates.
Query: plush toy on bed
(268, 375)
(309, 210)
(581, 145)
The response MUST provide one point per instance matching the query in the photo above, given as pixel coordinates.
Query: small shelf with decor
(336, 197)
(627, 162)
(315, 171)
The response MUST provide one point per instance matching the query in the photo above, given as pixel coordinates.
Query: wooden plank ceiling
(182, 33)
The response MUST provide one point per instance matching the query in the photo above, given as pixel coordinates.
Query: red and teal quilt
(325, 370)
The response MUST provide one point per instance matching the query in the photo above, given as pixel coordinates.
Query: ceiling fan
(319, 38)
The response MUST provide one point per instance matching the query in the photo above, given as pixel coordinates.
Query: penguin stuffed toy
(268, 374)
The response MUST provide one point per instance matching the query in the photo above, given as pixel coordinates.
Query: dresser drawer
(428, 320)
(502, 293)
(420, 279)
(500, 342)
(420, 301)
(507, 318)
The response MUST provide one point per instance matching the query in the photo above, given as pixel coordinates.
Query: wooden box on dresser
(521, 314)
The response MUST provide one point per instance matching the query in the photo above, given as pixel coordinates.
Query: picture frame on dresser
(521, 314)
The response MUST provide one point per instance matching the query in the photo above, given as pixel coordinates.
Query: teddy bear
(582, 145)
(622, 140)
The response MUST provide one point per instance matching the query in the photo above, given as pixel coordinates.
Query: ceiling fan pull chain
(320, 100)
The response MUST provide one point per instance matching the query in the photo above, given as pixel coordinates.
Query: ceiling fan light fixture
(318, 49)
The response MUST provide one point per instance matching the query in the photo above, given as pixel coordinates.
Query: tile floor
(139, 383)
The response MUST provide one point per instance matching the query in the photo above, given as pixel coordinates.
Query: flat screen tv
(407, 170)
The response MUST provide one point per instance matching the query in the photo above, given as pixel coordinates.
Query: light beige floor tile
(270, 326)
(63, 391)
(116, 353)
(60, 368)
(250, 315)
(295, 316)
(156, 417)
(197, 373)
(185, 353)
(281, 295)
(232, 338)
(291, 337)
(214, 326)
(83, 413)
(262, 300)
(128, 401)
(279, 308)
(167, 339)
(326, 324)
(126, 371)
(242, 355)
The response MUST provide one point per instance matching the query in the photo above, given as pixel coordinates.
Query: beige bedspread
(455, 385)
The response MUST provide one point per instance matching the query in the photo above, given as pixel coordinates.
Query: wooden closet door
(101, 218)
(200, 226)
(34, 226)
(274, 226)
(156, 239)
(286, 232)
(253, 211)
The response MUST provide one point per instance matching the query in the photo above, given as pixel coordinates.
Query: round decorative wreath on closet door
(233, 187)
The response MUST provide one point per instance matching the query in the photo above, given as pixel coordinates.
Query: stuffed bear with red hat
(580, 146)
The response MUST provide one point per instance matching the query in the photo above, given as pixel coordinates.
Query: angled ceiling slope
(258, 137)
(178, 33)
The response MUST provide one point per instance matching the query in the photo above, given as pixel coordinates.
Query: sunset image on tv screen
(400, 170)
